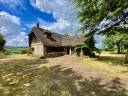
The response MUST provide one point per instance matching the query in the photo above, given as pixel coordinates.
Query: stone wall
(37, 47)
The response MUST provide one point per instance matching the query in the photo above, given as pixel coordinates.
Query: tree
(125, 43)
(66, 34)
(88, 47)
(101, 16)
(115, 40)
(108, 42)
(93, 12)
(2, 42)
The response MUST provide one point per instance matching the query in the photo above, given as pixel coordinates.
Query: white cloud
(18, 40)
(61, 24)
(57, 26)
(8, 17)
(63, 11)
(16, 2)
(10, 27)
(12, 3)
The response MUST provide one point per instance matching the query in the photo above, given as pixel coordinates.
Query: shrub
(6, 52)
(25, 51)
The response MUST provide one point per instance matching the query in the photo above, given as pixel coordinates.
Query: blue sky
(18, 17)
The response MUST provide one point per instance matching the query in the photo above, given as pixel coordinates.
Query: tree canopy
(93, 12)
(2, 42)
(117, 40)
(88, 47)
(102, 16)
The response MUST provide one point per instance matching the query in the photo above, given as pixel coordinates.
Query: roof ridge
(50, 31)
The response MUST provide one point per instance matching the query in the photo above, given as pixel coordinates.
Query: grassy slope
(111, 64)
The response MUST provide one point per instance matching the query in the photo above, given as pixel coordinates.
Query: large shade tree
(93, 12)
(102, 16)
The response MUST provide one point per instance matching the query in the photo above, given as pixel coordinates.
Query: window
(49, 36)
(32, 49)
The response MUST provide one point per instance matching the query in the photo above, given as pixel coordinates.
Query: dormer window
(48, 35)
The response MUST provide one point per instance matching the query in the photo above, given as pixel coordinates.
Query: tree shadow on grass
(58, 81)
(124, 71)
(79, 86)
(112, 60)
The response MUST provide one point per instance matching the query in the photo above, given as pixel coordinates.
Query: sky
(18, 17)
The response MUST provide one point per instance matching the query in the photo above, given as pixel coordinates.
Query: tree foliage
(66, 34)
(88, 47)
(2, 42)
(93, 12)
(101, 16)
(118, 40)
(108, 42)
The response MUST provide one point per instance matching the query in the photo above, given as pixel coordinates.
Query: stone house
(45, 43)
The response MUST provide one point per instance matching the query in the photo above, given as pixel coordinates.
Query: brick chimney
(38, 25)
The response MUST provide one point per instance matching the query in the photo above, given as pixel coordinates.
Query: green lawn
(110, 64)
(25, 77)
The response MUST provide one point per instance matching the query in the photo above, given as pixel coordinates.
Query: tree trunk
(121, 49)
(118, 47)
(126, 58)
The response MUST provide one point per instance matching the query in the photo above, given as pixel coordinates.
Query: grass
(17, 56)
(31, 77)
(2, 56)
(110, 64)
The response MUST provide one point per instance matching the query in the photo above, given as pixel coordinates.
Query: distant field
(16, 50)
(111, 64)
